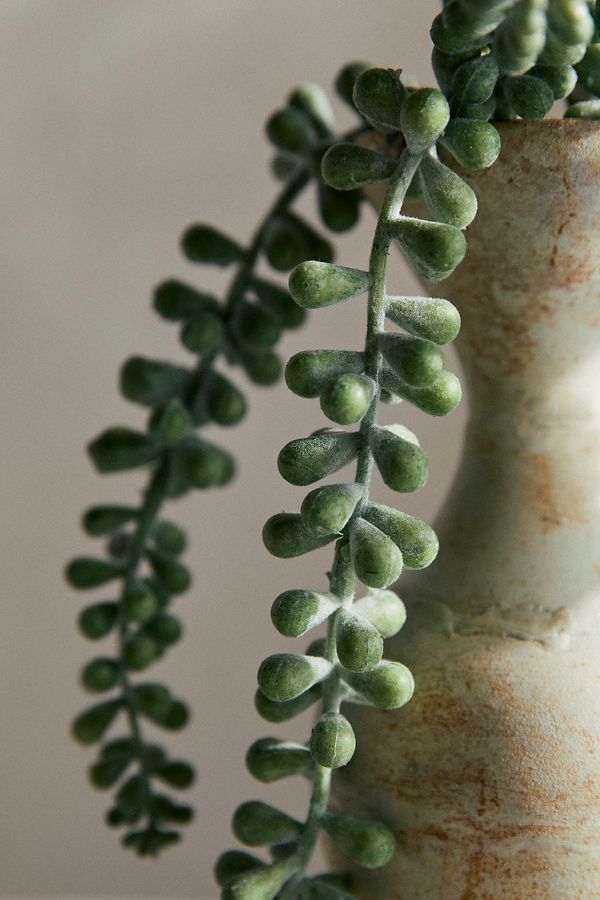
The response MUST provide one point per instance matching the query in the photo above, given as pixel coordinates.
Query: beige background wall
(120, 122)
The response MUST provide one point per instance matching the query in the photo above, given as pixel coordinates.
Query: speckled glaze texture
(490, 776)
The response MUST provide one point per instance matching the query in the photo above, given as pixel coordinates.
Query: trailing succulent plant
(142, 561)
(492, 59)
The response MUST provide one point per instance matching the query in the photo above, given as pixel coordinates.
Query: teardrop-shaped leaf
(376, 559)
(117, 449)
(297, 611)
(270, 759)
(359, 644)
(383, 609)
(309, 459)
(314, 284)
(284, 676)
(151, 381)
(100, 520)
(274, 711)
(474, 144)
(402, 464)
(433, 249)
(417, 540)
(379, 95)
(308, 372)
(387, 686)
(416, 361)
(368, 843)
(205, 244)
(285, 535)
(425, 114)
(430, 318)
(347, 167)
(327, 509)
(437, 399)
(177, 301)
(332, 742)
(448, 196)
(89, 726)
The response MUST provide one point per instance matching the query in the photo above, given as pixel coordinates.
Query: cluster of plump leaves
(508, 59)
(142, 560)
(373, 542)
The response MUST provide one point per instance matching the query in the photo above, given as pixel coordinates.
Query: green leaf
(347, 398)
(139, 601)
(169, 538)
(105, 773)
(530, 97)
(332, 741)
(262, 368)
(258, 884)
(204, 244)
(85, 573)
(119, 448)
(437, 399)
(376, 560)
(417, 540)
(521, 37)
(291, 130)
(346, 79)
(368, 843)
(474, 80)
(379, 95)
(401, 462)
(383, 609)
(326, 510)
(278, 302)
(173, 574)
(425, 114)
(178, 302)
(309, 371)
(347, 167)
(89, 726)
(561, 80)
(284, 535)
(425, 317)
(139, 652)
(204, 465)
(101, 520)
(176, 717)
(152, 382)
(340, 210)
(233, 863)
(474, 144)
(153, 700)
(449, 198)
(289, 241)
(101, 674)
(177, 774)
(284, 676)
(132, 799)
(204, 333)
(297, 611)
(433, 249)
(314, 284)
(389, 685)
(256, 328)
(226, 404)
(309, 459)
(313, 100)
(275, 711)
(98, 620)
(256, 823)
(588, 70)
(571, 21)
(270, 759)
(416, 361)
(586, 109)
(359, 643)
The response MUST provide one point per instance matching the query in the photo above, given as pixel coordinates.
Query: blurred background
(122, 121)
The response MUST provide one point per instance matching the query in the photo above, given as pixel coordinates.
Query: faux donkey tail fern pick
(142, 564)
(492, 58)
(372, 542)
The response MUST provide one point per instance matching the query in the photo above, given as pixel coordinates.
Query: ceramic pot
(490, 776)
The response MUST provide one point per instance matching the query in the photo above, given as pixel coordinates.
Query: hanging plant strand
(498, 58)
(142, 563)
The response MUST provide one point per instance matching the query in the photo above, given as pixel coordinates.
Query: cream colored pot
(491, 775)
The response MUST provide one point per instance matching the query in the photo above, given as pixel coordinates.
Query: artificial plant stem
(342, 576)
(390, 209)
(154, 498)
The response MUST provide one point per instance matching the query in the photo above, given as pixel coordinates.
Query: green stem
(157, 490)
(342, 577)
